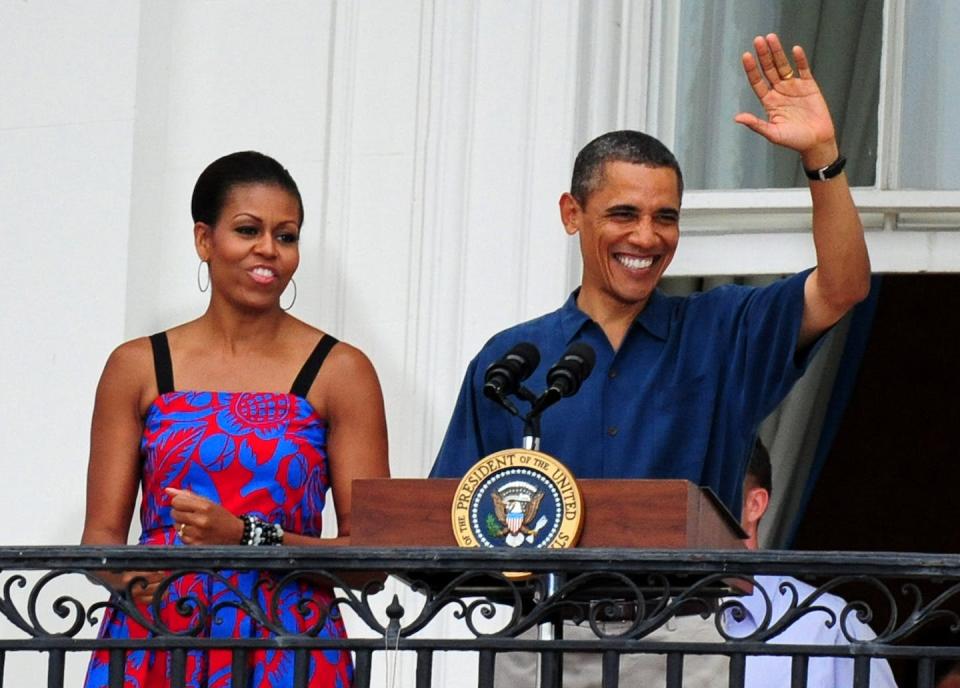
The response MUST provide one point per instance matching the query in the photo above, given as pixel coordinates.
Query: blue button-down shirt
(681, 398)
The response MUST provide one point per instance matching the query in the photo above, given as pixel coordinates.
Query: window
(881, 64)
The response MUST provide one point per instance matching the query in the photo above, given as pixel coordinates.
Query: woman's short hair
(244, 167)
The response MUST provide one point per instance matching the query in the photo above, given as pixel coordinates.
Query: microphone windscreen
(586, 353)
(529, 358)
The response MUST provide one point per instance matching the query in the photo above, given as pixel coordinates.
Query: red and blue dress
(258, 453)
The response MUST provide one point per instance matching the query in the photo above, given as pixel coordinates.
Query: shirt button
(612, 431)
(612, 374)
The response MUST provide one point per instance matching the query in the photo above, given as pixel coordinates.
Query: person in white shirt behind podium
(813, 628)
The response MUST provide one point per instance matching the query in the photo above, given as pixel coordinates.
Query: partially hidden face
(253, 249)
(629, 229)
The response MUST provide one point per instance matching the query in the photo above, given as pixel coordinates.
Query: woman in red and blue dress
(234, 425)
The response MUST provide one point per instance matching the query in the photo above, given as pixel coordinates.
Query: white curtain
(929, 147)
(843, 44)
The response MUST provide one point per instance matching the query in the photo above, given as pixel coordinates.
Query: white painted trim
(785, 253)
(664, 71)
(789, 200)
(891, 94)
(339, 138)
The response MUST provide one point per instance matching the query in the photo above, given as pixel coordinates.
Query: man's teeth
(634, 263)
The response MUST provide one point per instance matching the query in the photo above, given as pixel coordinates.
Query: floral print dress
(258, 453)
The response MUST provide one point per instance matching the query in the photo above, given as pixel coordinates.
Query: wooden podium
(648, 514)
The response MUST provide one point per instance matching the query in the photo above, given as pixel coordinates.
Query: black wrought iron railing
(621, 601)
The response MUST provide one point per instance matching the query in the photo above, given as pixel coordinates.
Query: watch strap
(829, 172)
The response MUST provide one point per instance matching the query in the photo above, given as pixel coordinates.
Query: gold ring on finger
(788, 75)
(180, 529)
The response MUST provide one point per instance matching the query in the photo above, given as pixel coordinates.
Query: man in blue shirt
(680, 384)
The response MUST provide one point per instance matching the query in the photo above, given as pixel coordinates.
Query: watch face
(517, 498)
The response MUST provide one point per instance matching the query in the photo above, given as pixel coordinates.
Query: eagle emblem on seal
(515, 506)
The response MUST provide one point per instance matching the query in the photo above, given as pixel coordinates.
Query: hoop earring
(294, 296)
(200, 285)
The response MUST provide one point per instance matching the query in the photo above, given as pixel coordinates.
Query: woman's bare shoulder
(131, 356)
(347, 359)
(128, 376)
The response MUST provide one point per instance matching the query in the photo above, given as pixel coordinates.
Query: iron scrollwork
(899, 597)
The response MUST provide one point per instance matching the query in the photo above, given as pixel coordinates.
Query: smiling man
(680, 384)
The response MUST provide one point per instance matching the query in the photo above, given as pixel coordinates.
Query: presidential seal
(517, 498)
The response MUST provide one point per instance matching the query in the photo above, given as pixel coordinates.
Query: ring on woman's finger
(180, 529)
(788, 75)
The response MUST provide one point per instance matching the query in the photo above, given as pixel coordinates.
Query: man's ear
(570, 213)
(201, 239)
(755, 503)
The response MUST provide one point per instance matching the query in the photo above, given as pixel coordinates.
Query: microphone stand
(531, 421)
(550, 664)
(531, 432)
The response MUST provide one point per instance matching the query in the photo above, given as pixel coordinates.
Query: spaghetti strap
(308, 372)
(162, 365)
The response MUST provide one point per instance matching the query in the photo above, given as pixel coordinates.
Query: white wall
(67, 111)
(431, 140)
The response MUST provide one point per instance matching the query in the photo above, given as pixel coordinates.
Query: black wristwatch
(828, 172)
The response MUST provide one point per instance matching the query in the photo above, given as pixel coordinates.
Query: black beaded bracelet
(258, 532)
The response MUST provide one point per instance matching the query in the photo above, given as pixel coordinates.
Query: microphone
(566, 375)
(503, 377)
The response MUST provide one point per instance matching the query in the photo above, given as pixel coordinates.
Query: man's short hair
(759, 469)
(618, 146)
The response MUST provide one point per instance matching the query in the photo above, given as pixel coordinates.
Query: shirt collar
(572, 319)
(655, 318)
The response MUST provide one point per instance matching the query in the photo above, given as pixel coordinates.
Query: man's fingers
(753, 122)
(780, 60)
(765, 57)
(757, 83)
(803, 66)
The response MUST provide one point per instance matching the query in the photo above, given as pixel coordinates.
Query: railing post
(798, 671)
(485, 668)
(861, 672)
(118, 667)
(424, 668)
(301, 667)
(55, 669)
(925, 673)
(738, 668)
(611, 669)
(551, 662)
(674, 670)
(238, 668)
(178, 667)
(361, 671)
